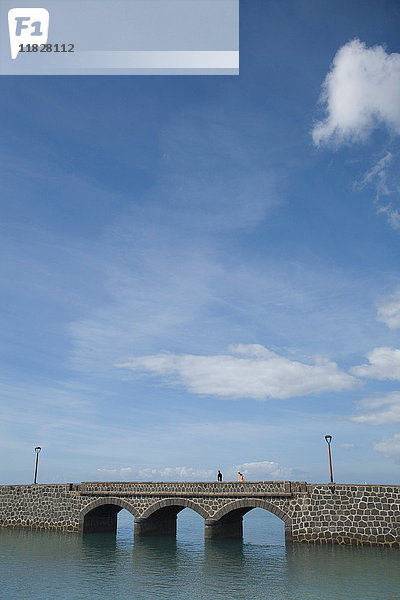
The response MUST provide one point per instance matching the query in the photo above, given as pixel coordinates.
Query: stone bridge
(311, 513)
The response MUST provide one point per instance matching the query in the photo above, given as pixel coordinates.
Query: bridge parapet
(191, 489)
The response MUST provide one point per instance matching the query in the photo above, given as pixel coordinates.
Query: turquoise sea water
(41, 566)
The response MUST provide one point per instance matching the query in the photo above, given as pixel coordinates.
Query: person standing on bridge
(219, 476)
(241, 478)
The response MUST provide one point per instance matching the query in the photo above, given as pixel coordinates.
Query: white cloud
(377, 173)
(389, 412)
(379, 176)
(361, 92)
(384, 363)
(389, 446)
(176, 474)
(248, 371)
(150, 474)
(392, 215)
(389, 310)
(255, 471)
(122, 474)
(265, 470)
(347, 446)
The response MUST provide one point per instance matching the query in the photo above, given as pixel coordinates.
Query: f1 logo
(27, 25)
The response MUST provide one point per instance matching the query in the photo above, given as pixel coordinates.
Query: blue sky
(203, 272)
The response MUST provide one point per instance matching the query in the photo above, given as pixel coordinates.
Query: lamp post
(37, 450)
(328, 439)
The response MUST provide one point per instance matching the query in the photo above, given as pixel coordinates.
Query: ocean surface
(54, 566)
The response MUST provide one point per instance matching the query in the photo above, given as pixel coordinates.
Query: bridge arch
(160, 517)
(101, 514)
(181, 502)
(228, 521)
(249, 504)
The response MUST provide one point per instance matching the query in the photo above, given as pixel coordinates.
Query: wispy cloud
(379, 410)
(174, 294)
(383, 363)
(210, 179)
(389, 310)
(248, 371)
(124, 473)
(392, 215)
(253, 471)
(389, 446)
(386, 192)
(377, 172)
(347, 446)
(360, 93)
(264, 470)
(165, 254)
(176, 474)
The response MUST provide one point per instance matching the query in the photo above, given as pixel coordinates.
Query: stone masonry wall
(191, 487)
(347, 514)
(40, 506)
(61, 506)
(341, 514)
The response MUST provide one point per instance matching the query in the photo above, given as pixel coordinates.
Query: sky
(203, 272)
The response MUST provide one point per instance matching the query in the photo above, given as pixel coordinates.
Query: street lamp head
(37, 449)
(328, 439)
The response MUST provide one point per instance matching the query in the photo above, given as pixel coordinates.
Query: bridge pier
(162, 522)
(229, 526)
(288, 532)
